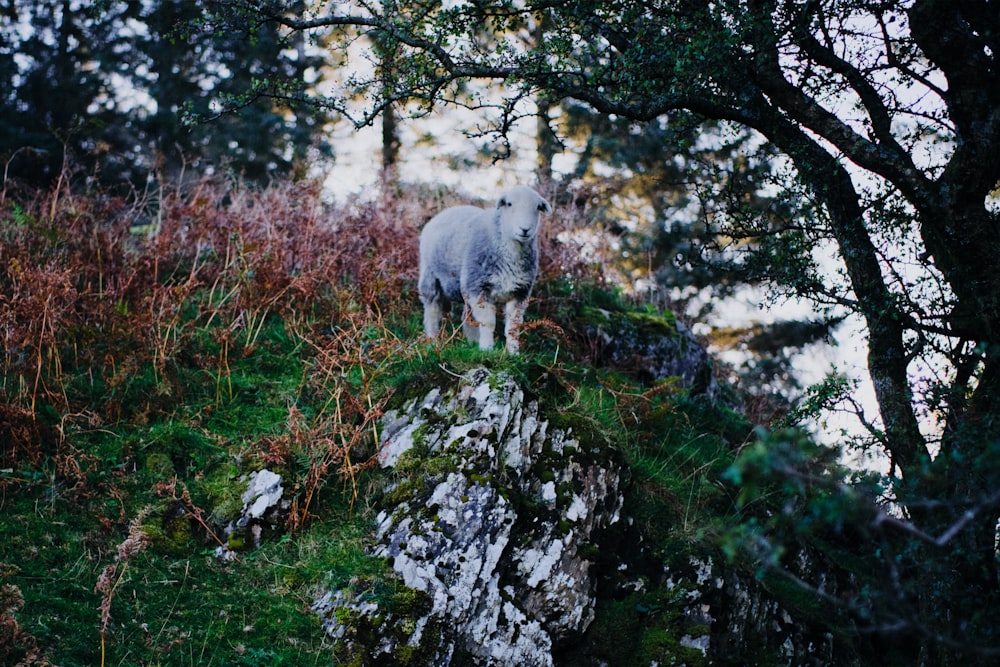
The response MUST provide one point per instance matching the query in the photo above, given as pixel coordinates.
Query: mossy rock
(224, 490)
(632, 322)
(169, 530)
(400, 610)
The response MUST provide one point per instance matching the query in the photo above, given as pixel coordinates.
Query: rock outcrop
(651, 347)
(496, 519)
(513, 541)
(263, 508)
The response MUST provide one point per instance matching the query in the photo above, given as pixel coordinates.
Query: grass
(167, 609)
(175, 603)
(143, 375)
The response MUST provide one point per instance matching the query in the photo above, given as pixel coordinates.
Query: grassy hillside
(155, 351)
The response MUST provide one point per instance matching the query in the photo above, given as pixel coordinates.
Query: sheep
(485, 258)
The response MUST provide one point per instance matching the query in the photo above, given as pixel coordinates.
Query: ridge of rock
(497, 541)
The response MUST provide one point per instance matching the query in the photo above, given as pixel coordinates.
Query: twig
(949, 533)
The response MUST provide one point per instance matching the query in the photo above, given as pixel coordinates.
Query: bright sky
(450, 161)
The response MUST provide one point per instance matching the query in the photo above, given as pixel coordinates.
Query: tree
(60, 96)
(116, 86)
(656, 186)
(660, 189)
(888, 117)
(193, 71)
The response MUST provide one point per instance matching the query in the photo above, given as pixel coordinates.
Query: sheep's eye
(541, 207)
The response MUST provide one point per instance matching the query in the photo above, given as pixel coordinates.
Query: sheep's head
(518, 211)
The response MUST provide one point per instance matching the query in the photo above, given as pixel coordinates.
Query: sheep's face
(519, 210)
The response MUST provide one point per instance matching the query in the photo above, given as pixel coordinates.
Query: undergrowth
(158, 350)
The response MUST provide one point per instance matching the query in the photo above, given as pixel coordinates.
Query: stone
(506, 579)
(494, 528)
(263, 502)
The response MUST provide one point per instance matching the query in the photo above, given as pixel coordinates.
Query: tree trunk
(545, 140)
(390, 145)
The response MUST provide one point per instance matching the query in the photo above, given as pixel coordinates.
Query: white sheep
(485, 258)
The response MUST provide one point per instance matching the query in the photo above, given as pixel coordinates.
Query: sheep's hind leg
(433, 311)
(513, 319)
(485, 315)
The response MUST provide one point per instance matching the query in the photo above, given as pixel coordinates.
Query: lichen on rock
(262, 509)
(497, 539)
(528, 532)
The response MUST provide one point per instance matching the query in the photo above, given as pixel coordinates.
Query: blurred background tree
(124, 89)
(661, 190)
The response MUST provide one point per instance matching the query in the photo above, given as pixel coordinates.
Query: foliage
(124, 88)
(146, 369)
(883, 119)
(806, 514)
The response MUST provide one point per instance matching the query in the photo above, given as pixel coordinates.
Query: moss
(798, 599)
(609, 310)
(406, 654)
(662, 646)
(159, 465)
(698, 631)
(613, 637)
(409, 602)
(588, 551)
(345, 615)
(439, 466)
(169, 530)
(404, 490)
(383, 638)
(420, 436)
(654, 324)
(639, 629)
(595, 315)
(480, 479)
(418, 476)
(224, 491)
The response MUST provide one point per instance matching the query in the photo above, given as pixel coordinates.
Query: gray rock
(495, 547)
(263, 492)
(653, 348)
(494, 525)
(262, 504)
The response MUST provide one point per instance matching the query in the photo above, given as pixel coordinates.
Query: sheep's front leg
(469, 326)
(513, 319)
(485, 315)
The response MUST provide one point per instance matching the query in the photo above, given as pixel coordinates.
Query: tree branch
(888, 160)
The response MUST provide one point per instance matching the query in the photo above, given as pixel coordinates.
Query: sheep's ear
(544, 206)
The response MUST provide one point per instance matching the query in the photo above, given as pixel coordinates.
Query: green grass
(175, 603)
(172, 609)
